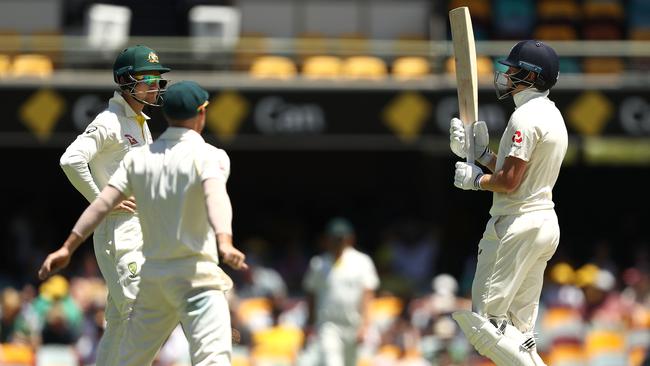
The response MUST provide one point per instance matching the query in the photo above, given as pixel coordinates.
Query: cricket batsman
(522, 233)
(91, 160)
(179, 182)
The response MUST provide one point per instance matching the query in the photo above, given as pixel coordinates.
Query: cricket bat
(462, 36)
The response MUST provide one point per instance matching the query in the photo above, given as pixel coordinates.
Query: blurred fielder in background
(90, 161)
(179, 182)
(340, 285)
(523, 232)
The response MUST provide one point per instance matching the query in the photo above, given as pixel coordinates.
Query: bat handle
(469, 142)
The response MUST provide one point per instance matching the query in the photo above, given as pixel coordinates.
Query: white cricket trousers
(512, 257)
(337, 345)
(184, 291)
(118, 248)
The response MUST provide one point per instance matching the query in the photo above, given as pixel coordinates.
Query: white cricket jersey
(338, 286)
(93, 157)
(166, 179)
(536, 133)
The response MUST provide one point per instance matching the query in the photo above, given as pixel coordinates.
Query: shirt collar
(181, 134)
(528, 94)
(128, 111)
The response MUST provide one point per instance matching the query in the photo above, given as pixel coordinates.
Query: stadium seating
(364, 67)
(32, 66)
(603, 65)
(384, 310)
(603, 9)
(322, 67)
(484, 66)
(16, 355)
(552, 32)
(273, 67)
(605, 347)
(410, 67)
(5, 65)
(255, 313)
(558, 11)
(516, 18)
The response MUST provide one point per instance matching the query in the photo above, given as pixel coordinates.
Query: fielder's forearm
(95, 213)
(219, 208)
(368, 295)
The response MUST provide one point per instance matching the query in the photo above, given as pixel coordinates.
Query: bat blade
(462, 35)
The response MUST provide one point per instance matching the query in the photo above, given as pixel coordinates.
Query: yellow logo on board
(41, 112)
(405, 115)
(226, 114)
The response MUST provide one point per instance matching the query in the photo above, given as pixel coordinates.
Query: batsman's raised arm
(86, 224)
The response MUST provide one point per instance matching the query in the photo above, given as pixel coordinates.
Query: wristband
(486, 157)
(477, 182)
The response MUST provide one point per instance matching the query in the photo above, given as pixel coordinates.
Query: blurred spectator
(409, 252)
(13, 325)
(260, 280)
(57, 329)
(57, 312)
(292, 264)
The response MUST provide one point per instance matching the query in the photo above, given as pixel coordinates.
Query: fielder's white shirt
(338, 286)
(166, 179)
(536, 133)
(93, 157)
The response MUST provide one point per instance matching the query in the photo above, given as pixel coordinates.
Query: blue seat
(516, 18)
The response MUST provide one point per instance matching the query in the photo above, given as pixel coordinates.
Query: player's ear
(531, 76)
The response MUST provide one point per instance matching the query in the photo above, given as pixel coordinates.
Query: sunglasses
(151, 80)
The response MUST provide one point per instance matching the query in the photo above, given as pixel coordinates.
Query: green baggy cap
(136, 59)
(183, 100)
(338, 227)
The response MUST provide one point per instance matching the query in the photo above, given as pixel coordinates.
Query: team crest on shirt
(131, 139)
(517, 138)
(133, 268)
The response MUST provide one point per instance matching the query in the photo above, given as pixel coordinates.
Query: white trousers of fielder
(117, 243)
(337, 344)
(185, 291)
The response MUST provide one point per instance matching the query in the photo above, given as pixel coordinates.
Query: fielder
(340, 283)
(522, 233)
(90, 161)
(179, 182)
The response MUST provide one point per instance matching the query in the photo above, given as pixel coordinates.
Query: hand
(128, 205)
(362, 334)
(54, 262)
(481, 140)
(232, 257)
(467, 176)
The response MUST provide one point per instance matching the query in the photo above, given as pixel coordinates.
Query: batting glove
(482, 152)
(467, 176)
